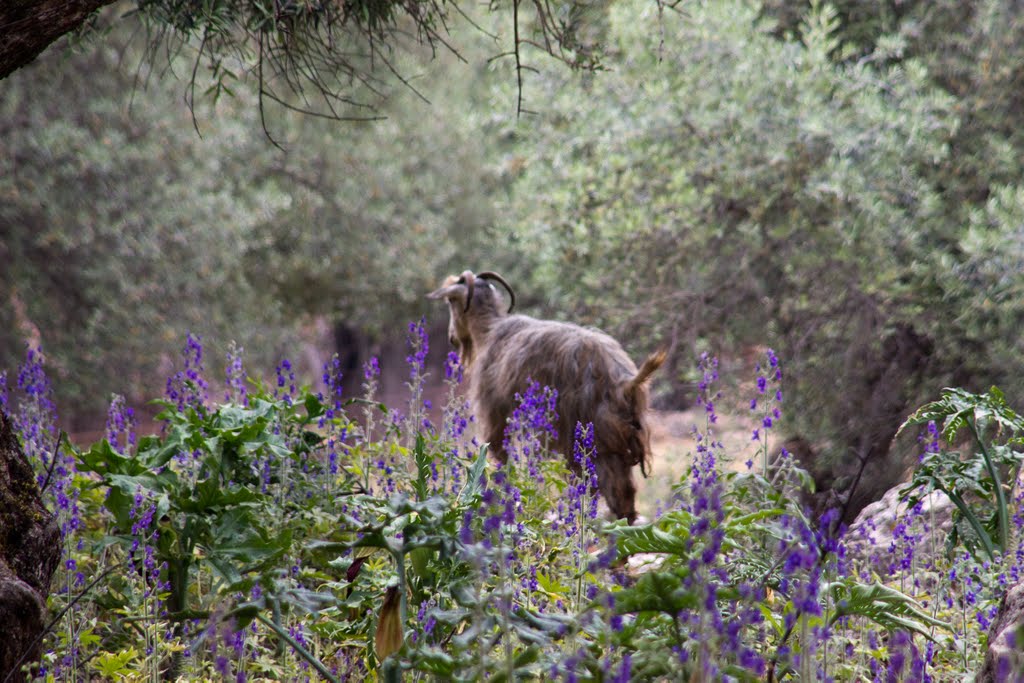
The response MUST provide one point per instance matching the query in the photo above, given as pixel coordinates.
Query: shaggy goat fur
(595, 379)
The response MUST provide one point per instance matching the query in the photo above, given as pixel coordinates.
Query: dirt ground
(673, 444)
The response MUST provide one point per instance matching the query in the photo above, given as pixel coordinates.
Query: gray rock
(884, 528)
(1004, 660)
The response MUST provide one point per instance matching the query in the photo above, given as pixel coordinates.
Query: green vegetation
(276, 537)
(973, 481)
(122, 229)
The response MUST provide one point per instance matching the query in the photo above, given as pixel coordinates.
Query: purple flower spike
(235, 376)
(418, 346)
(188, 388)
(121, 426)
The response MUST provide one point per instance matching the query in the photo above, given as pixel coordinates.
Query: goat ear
(448, 292)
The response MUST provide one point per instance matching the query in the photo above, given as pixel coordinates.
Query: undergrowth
(291, 534)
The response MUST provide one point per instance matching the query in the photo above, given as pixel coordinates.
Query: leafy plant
(203, 487)
(981, 481)
(270, 535)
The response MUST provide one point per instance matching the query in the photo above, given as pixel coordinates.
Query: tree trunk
(27, 27)
(29, 552)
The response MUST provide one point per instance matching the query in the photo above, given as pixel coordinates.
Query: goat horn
(494, 276)
(468, 276)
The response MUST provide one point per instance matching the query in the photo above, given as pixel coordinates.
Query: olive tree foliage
(120, 225)
(325, 59)
(736, 188)
(121, 229)
(973, 50)
(381, 212)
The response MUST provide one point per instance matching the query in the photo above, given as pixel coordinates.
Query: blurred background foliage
(838, 181)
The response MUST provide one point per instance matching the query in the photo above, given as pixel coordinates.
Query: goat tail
(653, 362)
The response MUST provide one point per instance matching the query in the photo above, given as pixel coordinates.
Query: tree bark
(29, 552)
(27, 27)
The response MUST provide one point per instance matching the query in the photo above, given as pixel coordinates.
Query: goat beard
(645, 464)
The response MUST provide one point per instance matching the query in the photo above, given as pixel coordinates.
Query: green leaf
(474, 484)
(656, 592)
(423, 461)
(209, 495)
(432, 659)
(551, 586)
(648, 538)
(314, 406)
(540, 628)
(320, 546)
(524, 659)
(451, 617)
(886, 606)
(305, 601)
(102, 459)
(112, 665)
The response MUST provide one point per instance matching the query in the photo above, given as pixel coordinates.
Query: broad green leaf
(884, 605)
(423, 460)
(648, 538)
(436, 661)
(656, 592)
(113, 665)
(473, 485)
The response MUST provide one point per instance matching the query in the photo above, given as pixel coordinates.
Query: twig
(263, 117)
(301, 651)
(191, 99)
(53, 461)
(309, 112)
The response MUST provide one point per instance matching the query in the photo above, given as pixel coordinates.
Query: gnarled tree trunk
(27, 27)
(29, 553)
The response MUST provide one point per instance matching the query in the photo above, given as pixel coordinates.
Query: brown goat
(595, 379)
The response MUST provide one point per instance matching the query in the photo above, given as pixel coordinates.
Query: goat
(595, 379)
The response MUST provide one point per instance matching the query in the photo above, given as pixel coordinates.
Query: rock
(1004, 659)
(883, 530)
(29, 552)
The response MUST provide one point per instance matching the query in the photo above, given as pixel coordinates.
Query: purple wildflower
(583, 492)
(531, 427)
(708, 366)
(286, 388)
(418, 347)
(121, 425)
(188, 388)
(770, 413)
(371, 369)
(332, 379)
(235, 376)
(36, 418)
(930, 437)
(453, 367)
(36, 422)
